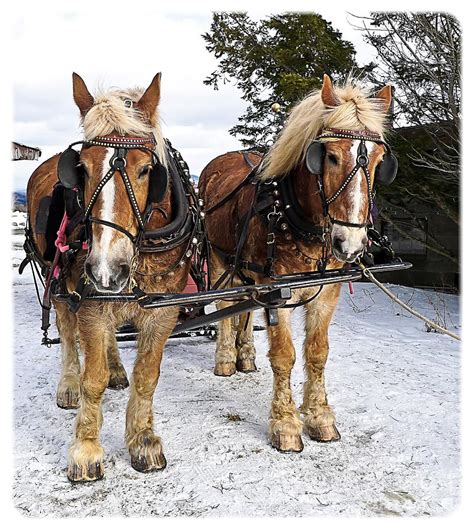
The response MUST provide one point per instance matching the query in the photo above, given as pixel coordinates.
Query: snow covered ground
(394, 387)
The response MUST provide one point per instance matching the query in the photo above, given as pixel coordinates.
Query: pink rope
(60, 242)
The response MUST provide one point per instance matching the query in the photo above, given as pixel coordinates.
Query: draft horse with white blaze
(117, 237)
(304, 207)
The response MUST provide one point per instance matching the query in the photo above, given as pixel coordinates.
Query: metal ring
(118, 162)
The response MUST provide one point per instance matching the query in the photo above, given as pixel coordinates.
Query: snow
(394, 387)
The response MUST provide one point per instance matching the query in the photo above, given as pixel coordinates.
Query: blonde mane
(110, 114)
(356, 111)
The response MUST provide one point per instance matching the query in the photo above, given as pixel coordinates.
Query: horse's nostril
(337, 244)
(89, 273)
(124, 270)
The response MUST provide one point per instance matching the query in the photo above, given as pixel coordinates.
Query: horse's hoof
(85, 462)
(246, 365)
(287, 443)
(144, 465)
(118, 379)
(224, 369)
(89, 473)
(68, 397)
(147, 453)
(323, 433)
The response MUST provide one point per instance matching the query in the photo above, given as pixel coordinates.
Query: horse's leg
(285, 423)
(118, 376)
(226, 351)
(86, 453)
(68, 391)
(319, 422)
(244, 343)
(144, 446)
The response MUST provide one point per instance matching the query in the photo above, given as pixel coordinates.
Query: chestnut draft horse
(122, 161)
(294, 217)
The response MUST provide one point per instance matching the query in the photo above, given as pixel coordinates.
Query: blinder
(69, 172)
(386, 171)
(315, 157)
(158, 183)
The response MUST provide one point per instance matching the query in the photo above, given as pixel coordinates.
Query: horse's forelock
(111, 114)
(356, 111)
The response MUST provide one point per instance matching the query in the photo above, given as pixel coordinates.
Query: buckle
(76, 295)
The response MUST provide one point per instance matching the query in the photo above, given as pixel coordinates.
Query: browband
(121, 141)
(362, 134)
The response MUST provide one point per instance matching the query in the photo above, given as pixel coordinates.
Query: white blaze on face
(353, 239)
(110, 249)
(101, 247)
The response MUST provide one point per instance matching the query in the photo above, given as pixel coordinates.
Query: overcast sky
(51, 45)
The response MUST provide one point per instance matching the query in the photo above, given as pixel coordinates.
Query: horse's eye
(144, 171)
(333, 159)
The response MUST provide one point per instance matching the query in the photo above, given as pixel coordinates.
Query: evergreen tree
(278, 59)
(420, 54)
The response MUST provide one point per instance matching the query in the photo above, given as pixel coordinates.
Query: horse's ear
(385, 97)
(81, 94)
(150, 99)
(328, 96)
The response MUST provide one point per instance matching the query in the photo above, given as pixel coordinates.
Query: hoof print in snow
(287, 443)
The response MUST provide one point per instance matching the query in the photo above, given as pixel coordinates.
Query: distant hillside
(19, 201)
(19, 197)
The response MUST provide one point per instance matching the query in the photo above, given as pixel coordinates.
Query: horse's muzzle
(110, 279)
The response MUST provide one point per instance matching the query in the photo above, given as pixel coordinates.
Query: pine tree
(279, 59)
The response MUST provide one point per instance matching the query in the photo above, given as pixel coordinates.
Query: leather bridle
(362, 162)
(118, 162)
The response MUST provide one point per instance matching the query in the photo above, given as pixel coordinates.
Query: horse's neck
(306, 191)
